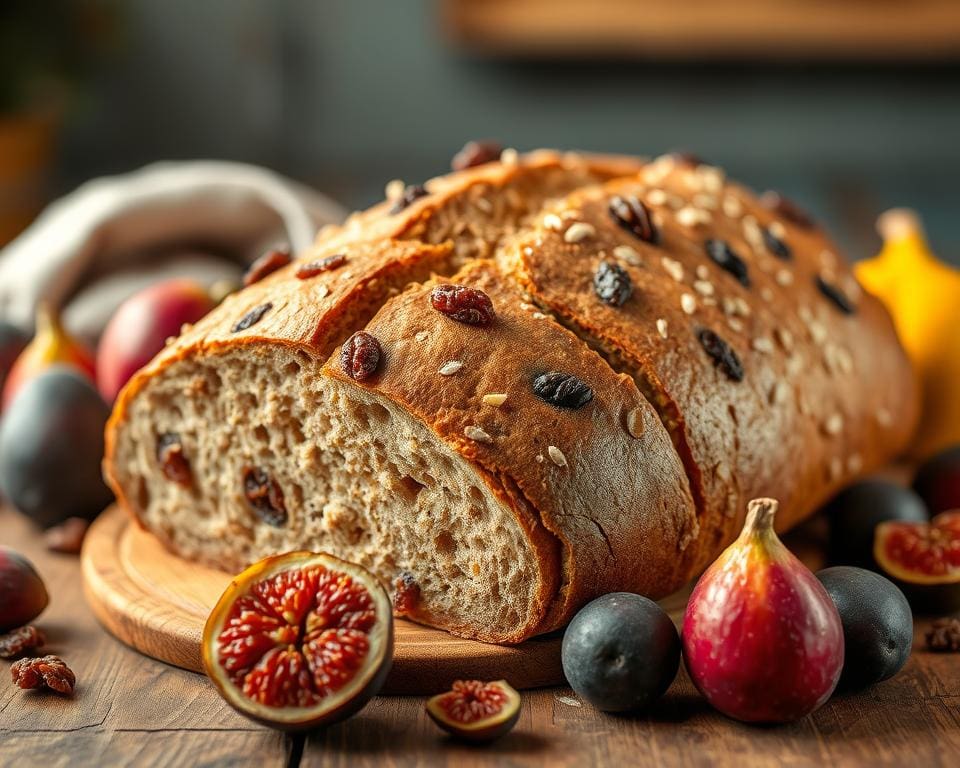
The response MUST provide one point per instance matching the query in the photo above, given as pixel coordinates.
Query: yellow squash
(923, 296)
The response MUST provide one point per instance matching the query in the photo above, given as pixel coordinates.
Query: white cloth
(216, 216)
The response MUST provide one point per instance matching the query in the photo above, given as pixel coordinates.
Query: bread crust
(617, 511)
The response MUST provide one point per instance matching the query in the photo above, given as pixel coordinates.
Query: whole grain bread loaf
(518, 387)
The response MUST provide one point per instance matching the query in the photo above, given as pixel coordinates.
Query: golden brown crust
(618, 504)
(824, 397)
(800, 423)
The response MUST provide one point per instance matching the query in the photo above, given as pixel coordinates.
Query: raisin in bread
(634, 351)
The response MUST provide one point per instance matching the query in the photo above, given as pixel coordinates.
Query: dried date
(173, 463)
(360, 355)
(44, 672)
(268, 263)
(20, 641)
(465, 305)
(326, 264)
(264, 496)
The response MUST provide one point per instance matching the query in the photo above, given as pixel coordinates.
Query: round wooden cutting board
(158, 603)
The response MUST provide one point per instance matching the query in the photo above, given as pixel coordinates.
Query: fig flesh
(300, 640)
(473, 710)
(923, 559)
(23, 595)
(762, 640)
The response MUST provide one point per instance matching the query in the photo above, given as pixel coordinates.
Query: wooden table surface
(130, 710)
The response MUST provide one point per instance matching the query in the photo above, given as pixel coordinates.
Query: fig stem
(760, 515)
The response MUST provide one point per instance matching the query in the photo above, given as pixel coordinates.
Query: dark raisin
(264, 496)
(252, 317)
(787, 209)
(776, 246)
(562, 389)
(722, 354)
(271, 261)
(476, 153)
(612, 284)
(465, 305)
(411, 192)
(360, 355)
(173, 463)
(406, 594)
(687, 158)
(721, 252)
(631, 214)
(835, 295)
(326, 264)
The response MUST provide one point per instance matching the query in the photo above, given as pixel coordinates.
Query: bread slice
(495, 511)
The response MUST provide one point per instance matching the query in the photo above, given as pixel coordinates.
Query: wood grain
(158, 604)
(695, 29)
(130, 710)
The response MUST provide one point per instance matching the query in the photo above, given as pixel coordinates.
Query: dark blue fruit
(12, 342)
(856, 512)
(938, 481)
(877, 624)
(51, 446)
(621, 652)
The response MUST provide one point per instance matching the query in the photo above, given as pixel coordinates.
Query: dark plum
(12, 343)
(51, 446)
(938, 481)
(856, 512)
(877, 624)
(621, 652)
(22, 593)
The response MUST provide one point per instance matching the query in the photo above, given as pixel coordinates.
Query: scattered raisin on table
(631, 214)
(836, 296)
(787, 209)
(265, 496)
(19, 641)
(612, 284)
(174, 465)
(252, 317)
(562, 389)
(721, 353)
(360, 355)
(465, 305)
(725, 257)
(269, 262)
(476, 153)
(944, 635)
(406, 593)
(411, 192)
(44, 672)
(326, 264)
(67, 537)
(776, 246)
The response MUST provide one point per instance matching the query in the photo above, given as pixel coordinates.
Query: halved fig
(476, 711)
(300, 640)
(924, 560)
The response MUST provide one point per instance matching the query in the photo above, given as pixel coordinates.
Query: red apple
(762, 640)
(141, 326)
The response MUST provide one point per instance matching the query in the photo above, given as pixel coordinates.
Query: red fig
(141, 326)
(762, 640)
(51, 345)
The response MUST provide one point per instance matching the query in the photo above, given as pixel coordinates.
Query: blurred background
(848, 106)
